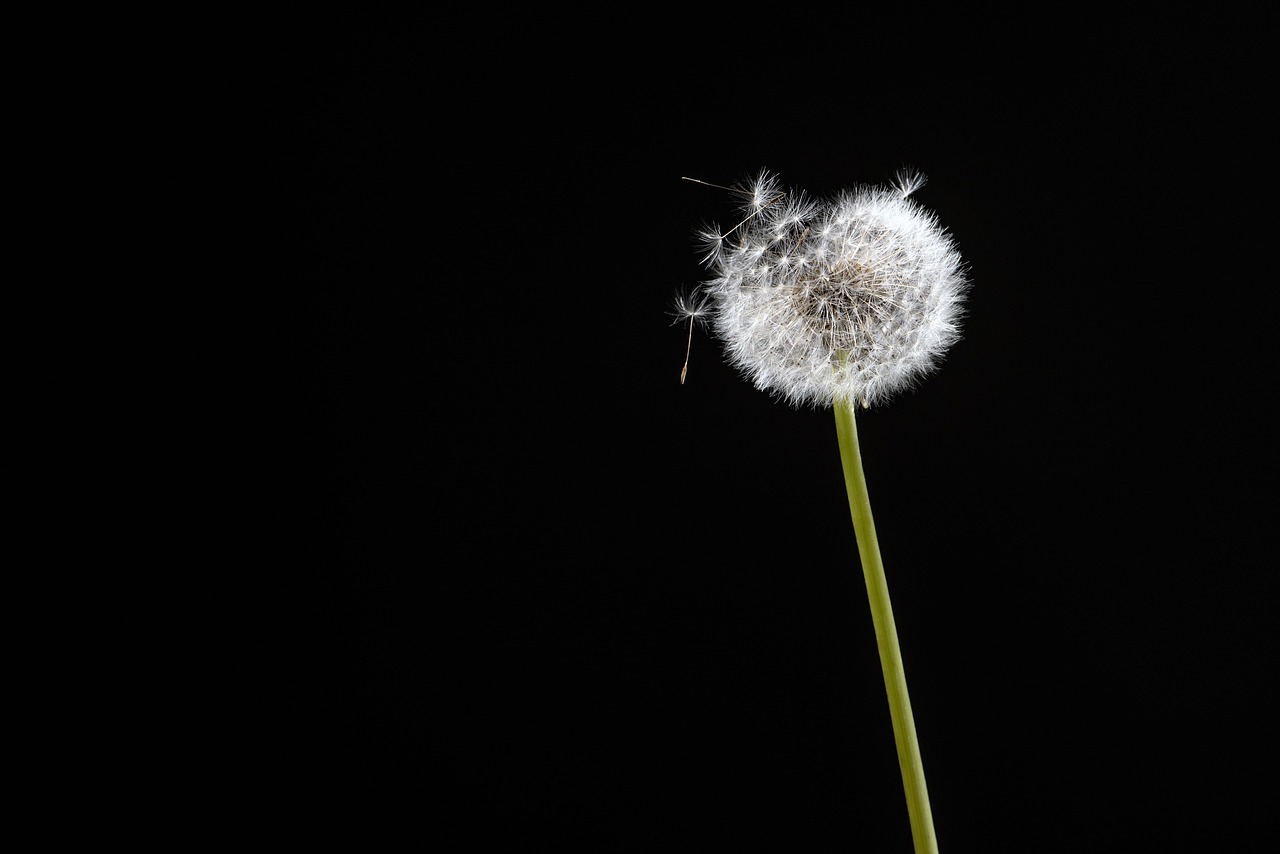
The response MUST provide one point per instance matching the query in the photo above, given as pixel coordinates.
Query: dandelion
(841, 303)
(852, 300)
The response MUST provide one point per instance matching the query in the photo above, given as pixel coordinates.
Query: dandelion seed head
(852, 299)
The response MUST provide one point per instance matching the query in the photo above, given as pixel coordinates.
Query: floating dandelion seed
(694, 308)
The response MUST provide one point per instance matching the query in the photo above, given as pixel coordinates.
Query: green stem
(895, 679)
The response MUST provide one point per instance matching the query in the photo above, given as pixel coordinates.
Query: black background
(527, 587)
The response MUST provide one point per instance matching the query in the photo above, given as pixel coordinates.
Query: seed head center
(837, 303)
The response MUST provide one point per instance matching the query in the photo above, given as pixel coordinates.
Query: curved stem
(895, 679)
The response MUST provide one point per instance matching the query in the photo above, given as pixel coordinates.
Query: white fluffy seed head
(853, 299)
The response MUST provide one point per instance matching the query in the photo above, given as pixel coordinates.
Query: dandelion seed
(694, 308)
(908, 180)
